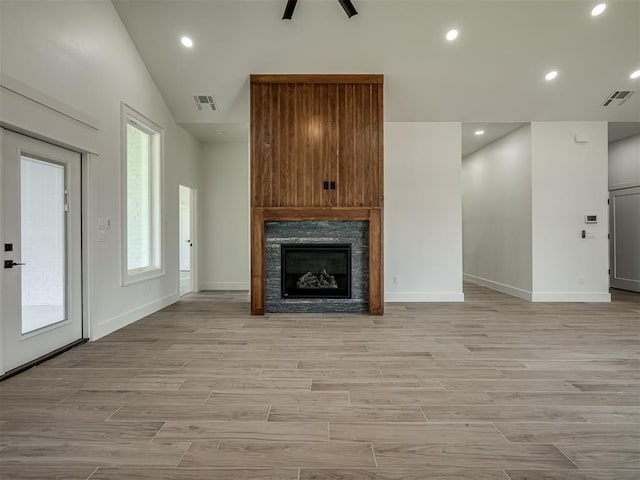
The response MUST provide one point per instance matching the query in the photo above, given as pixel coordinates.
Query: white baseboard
(224, 286)
(587, 297)
(500, 287)
(116, 323)
(413, 297)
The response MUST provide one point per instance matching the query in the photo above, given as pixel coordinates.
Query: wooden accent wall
(307, 130)
(310, 129)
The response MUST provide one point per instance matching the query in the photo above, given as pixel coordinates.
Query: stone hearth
(354, 233)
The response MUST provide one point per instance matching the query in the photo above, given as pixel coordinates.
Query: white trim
(621, 186)
(224, 286)
(112, 324)
(45, 100)
(88, 219)
(500, 287)
(195, 271)
(2, 240)
(127, 276)
(588, 297)
(395, 297)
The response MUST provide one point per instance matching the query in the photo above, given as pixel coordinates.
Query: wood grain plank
(562, 398)
(97, 453)
(610, 414)
(238, 412)
(573, 475)
(29, 471)
(319, 413)
(501, 413)
(420, 473)
(470, 456)
(278, 454)
(505, 385)
(196, 474)
(41, 432)
(573, 433)
(417, 396)
(415, 433)
(249, 431)
(617, 456)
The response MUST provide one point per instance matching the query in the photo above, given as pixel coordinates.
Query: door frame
(86, 220)
(193, 233)
(612, 230)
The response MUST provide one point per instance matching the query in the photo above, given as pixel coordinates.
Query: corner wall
(569, 181)
(224, 216)
(496, 214)
(423, 212)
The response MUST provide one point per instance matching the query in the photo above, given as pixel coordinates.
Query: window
(142, 232)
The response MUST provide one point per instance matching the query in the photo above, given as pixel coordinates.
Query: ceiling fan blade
(348, 7)
(288, 10)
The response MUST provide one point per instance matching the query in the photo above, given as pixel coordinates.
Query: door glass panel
(43, 243)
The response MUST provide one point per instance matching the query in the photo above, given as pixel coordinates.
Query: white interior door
(41, 275)
(625, 238)
(186, 240)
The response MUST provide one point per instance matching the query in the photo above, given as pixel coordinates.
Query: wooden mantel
(316, 154)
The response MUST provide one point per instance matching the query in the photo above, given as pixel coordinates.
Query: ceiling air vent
(205, 102)
(617, 98)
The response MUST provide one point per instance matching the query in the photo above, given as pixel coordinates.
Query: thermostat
(590, 219)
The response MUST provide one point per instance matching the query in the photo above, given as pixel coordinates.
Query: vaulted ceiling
(493, 72)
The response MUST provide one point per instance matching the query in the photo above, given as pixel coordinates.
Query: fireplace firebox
(316, 271)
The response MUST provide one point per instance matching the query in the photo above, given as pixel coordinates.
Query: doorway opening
(496, 208)
(624, 205)
(187, 235)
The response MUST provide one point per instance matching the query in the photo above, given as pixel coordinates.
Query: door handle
(11, 264)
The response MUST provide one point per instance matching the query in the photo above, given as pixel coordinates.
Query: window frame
(130, 116)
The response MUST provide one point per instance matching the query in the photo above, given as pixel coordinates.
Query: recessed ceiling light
(452, 35)
(551, 75)
(479, 132)
(187, 42)
(598, 9)
(635, 75)
(220, 132)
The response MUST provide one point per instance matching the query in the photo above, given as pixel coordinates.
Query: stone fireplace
(323, 252)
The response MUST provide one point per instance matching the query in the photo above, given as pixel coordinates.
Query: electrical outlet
(396, 280)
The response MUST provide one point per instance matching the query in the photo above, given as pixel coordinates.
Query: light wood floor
(492, 389)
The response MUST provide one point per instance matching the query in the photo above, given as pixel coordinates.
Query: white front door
(625, 238)
(42, 264)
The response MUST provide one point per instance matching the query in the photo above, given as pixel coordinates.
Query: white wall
(569, 180)
(79, 55)
(496, 214)
(624, 163)
(423, 212)
(224, 216)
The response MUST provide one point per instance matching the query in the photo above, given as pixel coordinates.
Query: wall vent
(617, 98)
(205, 102)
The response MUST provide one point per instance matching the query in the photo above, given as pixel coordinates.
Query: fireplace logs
(322, 280)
